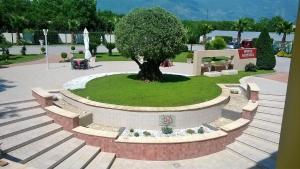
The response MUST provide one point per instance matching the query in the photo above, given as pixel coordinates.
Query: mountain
(210, 9)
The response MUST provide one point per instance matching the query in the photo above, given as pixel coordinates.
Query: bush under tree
(265, 58)
(154, 34)
(217, 44)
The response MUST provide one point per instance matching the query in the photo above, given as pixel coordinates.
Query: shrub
(201, 130)
(250, 67)
(167, 130)
(80, 52)
(23, 50)
(184, 48)
(283, 54)
(136, 134)
(190, 131)
(218, 43)
(208, 46)
(265, 57)
(131, 130)
(43, 50)
(146, 133)
(227, 39)
(64, 55)
(190, 56)
(73, 48)
(110, 47)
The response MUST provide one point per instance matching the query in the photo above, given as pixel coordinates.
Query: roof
(249, 35)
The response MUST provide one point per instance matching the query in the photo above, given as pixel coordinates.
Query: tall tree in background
(241, 25)
(205, 29)
(18, 23)
(284, 28)
(73, 26)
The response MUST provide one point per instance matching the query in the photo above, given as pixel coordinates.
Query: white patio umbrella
(87, 54)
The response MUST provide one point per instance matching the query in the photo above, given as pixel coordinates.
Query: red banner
(247, 53)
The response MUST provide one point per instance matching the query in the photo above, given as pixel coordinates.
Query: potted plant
(64, 56)
(72, 49)
(189, 58)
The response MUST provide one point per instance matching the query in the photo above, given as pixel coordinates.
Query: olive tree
(153, 34)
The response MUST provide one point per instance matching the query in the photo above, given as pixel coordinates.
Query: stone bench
(252, 91)
(43, 97)
(103, 139)
(235, 129)
(68, 120)
(249, 110)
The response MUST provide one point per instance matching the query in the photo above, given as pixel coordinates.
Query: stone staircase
(31, 139)
(259, 142)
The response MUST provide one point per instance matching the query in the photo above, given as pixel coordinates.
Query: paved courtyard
(256, 148)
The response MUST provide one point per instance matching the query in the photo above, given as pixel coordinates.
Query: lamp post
(46, 45)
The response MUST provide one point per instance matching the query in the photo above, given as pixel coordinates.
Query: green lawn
(14, 59)
(173, 91)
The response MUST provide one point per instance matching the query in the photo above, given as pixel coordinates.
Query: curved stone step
(53, 157)
(26, 125)
(261, 158)
(102, 161)
(269, 118)
(80, 159)
(31, 151)
(22, 139)
(9, 118)
(273, 127)
(258, 143)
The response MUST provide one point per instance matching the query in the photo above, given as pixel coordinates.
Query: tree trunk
(149, 70)
(110, 52)
(18, 36)
(283, 41)
(72, 38)
(239, 37)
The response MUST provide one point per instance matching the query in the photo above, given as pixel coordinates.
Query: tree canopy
(154, 34)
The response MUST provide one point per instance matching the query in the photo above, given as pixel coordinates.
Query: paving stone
(20, 127)
(272, 98)
(270, 110)
(56, 155)
(12, 117)
(30, 151)
(229, 72)
(268, 118)
(260, 157)
(263, 134)
(273, 127)
(258, 143)
(102, 161)
(18, 106)
(274, 104)
(212, 74)
(19, 140)
(80, 159)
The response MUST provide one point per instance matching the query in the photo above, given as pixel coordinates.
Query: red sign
(247, 53)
